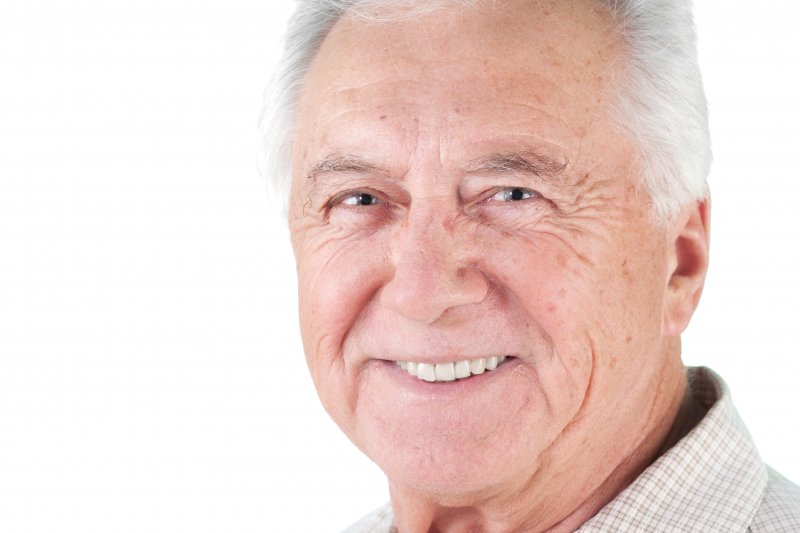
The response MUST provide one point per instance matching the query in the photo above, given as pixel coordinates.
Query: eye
(512, 194)
(359, 207)
(359, 199)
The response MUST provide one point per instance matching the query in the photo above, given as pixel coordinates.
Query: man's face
(461, 193)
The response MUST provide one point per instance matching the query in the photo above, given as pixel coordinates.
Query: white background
(151, 377)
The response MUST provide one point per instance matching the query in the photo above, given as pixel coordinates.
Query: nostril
(425, 294)
(476, 281)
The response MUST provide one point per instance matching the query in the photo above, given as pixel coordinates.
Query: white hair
(661, 104)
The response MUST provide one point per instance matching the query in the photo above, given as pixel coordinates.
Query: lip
(429, 390)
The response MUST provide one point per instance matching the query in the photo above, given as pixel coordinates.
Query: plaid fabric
(712, 480)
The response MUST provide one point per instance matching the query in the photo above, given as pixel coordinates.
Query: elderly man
(501, 223)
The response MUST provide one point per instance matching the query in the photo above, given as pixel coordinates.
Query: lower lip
(436, 388)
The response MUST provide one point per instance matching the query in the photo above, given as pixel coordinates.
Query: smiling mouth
(445, 372)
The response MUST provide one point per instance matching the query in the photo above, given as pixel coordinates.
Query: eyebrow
(343, 163)
(526, 162)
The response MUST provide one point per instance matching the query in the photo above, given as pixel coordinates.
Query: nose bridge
(429, 239)
(430, 228)
(431, 265)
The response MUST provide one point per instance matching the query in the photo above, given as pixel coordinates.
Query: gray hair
(662, 106)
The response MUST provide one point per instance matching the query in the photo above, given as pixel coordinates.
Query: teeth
(445, 372)
(477, 366)
(426, 371)
(462, 369)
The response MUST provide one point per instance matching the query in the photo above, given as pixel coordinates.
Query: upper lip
(444, 359)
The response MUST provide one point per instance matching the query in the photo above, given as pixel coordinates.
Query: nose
(431, 273)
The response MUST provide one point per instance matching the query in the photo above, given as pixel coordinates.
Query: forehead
(495, 74)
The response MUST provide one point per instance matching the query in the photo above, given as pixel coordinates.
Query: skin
(574, 280)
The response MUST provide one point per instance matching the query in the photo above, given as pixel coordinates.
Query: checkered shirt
(712, 480)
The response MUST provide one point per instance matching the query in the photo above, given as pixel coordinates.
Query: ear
(688, 260)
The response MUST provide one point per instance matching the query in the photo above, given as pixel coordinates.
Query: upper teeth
(450, 371)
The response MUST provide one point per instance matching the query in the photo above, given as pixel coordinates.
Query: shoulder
(381, 520)
(780, 508)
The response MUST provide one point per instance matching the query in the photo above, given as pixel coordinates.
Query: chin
(454, 478)
(458, 468)
(461, 438)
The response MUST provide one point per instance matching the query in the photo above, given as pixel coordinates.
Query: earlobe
(688, 249)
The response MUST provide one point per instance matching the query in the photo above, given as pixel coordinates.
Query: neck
(568, 488)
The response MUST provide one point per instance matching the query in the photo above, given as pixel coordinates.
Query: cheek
(636, 298)
(337, 280)
(597, 300)
(545, 282)
(543, 276)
